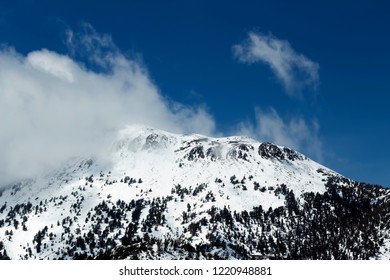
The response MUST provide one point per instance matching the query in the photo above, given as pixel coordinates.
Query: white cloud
(294, 71)
(54, 107)
(295, 133)
(52, 63)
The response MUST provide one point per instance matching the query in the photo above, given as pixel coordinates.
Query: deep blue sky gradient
(187, 48)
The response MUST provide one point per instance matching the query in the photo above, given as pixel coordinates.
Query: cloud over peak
(293, 70)
(55, 107)
(295, 132)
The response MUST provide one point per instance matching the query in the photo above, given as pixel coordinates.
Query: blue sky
(309, 74)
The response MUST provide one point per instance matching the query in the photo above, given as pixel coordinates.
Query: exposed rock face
(268, 151)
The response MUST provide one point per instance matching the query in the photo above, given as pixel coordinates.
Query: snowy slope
(166, 185)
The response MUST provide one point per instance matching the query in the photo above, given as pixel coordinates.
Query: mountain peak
(140, 138)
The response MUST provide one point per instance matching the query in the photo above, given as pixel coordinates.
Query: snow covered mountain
(169, 196)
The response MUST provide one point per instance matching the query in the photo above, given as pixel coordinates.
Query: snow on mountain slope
(158, 188)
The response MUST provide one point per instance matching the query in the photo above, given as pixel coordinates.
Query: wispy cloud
(97, 49)
(295, 132)
(294, 70)
(54, 107)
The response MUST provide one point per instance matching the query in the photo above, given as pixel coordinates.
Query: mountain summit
(161, 195)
